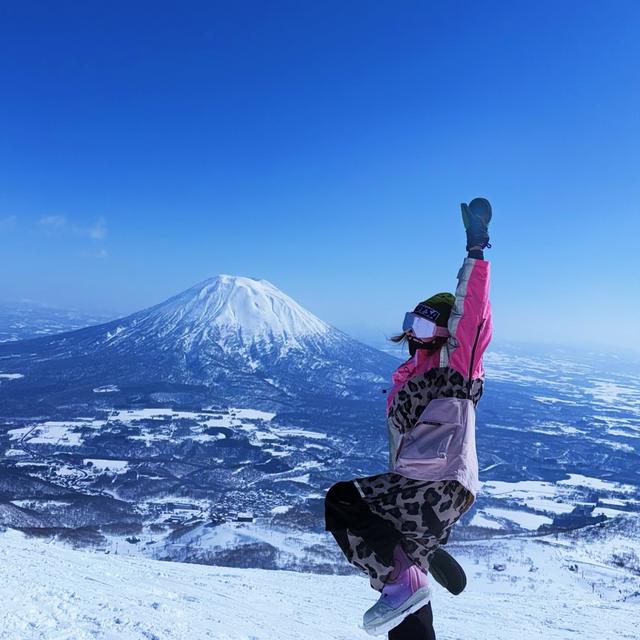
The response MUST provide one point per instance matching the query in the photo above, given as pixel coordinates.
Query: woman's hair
(414, 345)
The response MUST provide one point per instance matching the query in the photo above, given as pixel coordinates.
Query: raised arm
(470, 325)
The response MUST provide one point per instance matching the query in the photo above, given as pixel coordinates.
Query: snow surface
(578, 480)
(521, 518)
(71, 433)
(549, 497)
(52, 592)
(117, 466)
(480, 520)
(49, 432)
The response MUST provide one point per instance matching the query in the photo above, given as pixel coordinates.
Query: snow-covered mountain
(235, 313)
(225, 399)
(208, 428)
(228, 337)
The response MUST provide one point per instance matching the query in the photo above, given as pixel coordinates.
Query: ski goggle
(422, 328)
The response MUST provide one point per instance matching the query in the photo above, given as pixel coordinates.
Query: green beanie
(436, 308)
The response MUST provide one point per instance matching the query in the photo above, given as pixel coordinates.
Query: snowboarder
(391, 525)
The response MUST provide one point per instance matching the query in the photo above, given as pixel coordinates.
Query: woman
(390, 525)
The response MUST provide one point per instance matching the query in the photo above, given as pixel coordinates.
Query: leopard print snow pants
(369, 516)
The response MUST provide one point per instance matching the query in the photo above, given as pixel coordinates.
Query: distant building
(183, 506)
(244, 517)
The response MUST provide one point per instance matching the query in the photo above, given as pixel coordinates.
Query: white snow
(304, 479)
(284, 453)
(18, 434)
(232, 417)
(287, 432)
(578, 480)
(523, 519)
(607, 393)
(116, 333)
(52, 432)
(480, 520)
(235, 534)
(116, 466)
(151, 413)
(617, 502)
(252, 414)
(281, 509)
(554, 428)
(251, 421)
(536, 494)
(49, 432)
(107, 388)
(549, 497)
(49, 592)
(204, 437)
(14, 453)
(549, 400)
(233, 312)
(255, 423)
(11, 376)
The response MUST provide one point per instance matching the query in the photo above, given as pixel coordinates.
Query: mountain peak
(226, 278)
(227, 282)
(238, 311)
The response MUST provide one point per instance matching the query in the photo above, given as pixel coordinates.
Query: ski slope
(53, 592)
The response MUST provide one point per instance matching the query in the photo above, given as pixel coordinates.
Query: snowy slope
(51, 592)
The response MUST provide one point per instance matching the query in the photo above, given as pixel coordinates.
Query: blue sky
(325, 146)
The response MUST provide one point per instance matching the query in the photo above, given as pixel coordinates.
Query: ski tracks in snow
(57, 593)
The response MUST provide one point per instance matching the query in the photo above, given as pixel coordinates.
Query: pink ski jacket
(431, 406)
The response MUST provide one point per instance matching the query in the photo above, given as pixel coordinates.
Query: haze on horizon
(326, 148)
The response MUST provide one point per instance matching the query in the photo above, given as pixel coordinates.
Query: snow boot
(406, 591)
(447, 572)
(476, 217)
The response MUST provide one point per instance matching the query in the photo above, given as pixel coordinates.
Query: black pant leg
(417, 626)
(346, 510)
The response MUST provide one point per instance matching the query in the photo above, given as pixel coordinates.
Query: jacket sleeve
(470, 325)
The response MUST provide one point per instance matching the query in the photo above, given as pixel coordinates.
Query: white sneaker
(400, 598)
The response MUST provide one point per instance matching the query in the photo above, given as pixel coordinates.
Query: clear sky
(325, 146)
